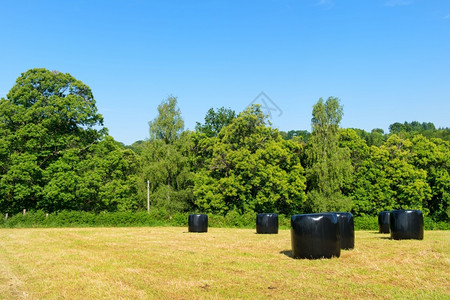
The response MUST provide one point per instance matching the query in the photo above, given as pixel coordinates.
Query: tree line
(55, 154)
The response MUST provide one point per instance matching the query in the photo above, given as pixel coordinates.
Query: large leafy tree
(408, 182)
(204, 134)
(165, 162)
(433, 157)
(45, 116)
(328, 164)
(249, 167)
(370, 190)
(397, 175)
(54, 152)
(104, 177)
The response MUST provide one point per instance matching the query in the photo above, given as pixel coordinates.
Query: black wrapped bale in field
(267, 223)
(383, 222)
(198, 223)
(406, 224)
(315, 236)
(347, 230)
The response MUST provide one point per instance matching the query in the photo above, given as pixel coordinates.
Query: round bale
(315, 236)
(406, 224)
(198, 223)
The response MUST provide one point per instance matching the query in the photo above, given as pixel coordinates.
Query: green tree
(46, 116)
(411, 129)
(165, 160)
(168, 125)
(328, 165)
(359, 150)
(298, 135)
(137, 146)
(215, 121)
(433, 156)
(103, 178)
(390, 178)
(372, 189)
(407, 181)
(376, 137)
(248, 167)
(397, 127)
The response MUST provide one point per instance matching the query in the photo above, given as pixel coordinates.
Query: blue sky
(387, 60)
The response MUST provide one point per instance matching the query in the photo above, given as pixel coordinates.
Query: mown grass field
(170, 263)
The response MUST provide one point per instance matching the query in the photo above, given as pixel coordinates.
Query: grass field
(170, 263)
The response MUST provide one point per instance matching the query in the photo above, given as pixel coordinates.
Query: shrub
(180, 219)
(284, 222)
(158, 217)
(366, 222)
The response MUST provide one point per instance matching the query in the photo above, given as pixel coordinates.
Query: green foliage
(48, 119)
(387, 180)
(366, 222)
(67, 218)
(371, 189)
(136, 146)
(156, 217)
(248, 167)
(168, 125)
(235, 219)
(328, 165)
(430, 224)
(427, 129)
(433, 157)
(166, 166)
(400, 174)
(357, 146)
(297, 135)
(215, 121)
(55, 156)
(410, 127)
(112, 170)
(165, 161)
(160, 217)
(375, 138)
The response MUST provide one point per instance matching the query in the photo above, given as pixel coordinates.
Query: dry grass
(169, 263)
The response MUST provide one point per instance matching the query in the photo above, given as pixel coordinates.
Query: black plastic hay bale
(347, 230)
(383, 222)
(198, 223)
(406, 224)
(315, 236)
(267, 223)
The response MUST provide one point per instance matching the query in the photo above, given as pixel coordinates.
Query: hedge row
(39, 219)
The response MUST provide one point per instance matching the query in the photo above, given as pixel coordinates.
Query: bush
(430, 224)
(180, 219)
(284, 222)
(160, 217)
(366, 222)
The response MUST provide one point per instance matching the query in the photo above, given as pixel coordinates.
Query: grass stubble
(170, 263)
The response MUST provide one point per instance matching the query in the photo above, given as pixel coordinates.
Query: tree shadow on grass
(385, 238)
(288, 253)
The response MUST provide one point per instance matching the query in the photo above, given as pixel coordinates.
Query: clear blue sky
(387, 60)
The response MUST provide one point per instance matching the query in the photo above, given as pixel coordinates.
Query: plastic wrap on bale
(267, 223)
(383, 222)
(347, 230)
(406, 224)
(198, 223)
(315, 236)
